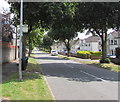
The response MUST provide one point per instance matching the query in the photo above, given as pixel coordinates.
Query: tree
(35, 15)
(36, 38)
(98, 18)
(63, 27)
(47, 42)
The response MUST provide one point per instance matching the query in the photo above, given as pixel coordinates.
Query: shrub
(91, 52)
(107, 60)
(83, 54)
(117, 52)
(97, 54)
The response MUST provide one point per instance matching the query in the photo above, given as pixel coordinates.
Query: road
(70, 80)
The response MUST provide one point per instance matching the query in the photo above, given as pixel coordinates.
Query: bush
(97, 54)
(117, 52)
(83, 54)
(91, 52)
(107, 60)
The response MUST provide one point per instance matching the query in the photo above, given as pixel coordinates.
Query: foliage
(36, 38)
(97, 54)
(87, 54)
(117, 52)
(63, 26)
(91, 52)
(107, 60)
(47, 42)
(97, 18)
(83, 54)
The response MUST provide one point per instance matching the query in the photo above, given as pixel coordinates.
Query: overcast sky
(5, 5)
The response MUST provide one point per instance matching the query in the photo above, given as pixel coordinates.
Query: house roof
(92, 39)
(75, 41)
(116, 34)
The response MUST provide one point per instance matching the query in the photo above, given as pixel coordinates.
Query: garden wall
(8, 52)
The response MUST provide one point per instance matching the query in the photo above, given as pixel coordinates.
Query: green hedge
(88, 54)
(83, 54)
(97, 54)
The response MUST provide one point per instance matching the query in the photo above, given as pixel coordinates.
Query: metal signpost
(20, 45)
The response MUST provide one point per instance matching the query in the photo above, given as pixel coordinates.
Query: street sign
(24, 28)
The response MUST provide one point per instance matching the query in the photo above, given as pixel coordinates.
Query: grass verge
(109, 66)
(32, 87)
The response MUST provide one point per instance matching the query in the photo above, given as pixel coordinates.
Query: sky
(5, 5)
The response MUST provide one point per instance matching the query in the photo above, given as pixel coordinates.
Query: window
(99, 43)
(115, 42)
(112, 52)
(111, 42)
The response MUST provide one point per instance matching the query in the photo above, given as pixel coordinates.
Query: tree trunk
(104, 45)
(104, 49)
(29, 46)
(29, 41)
(68, 47)
(24, 46)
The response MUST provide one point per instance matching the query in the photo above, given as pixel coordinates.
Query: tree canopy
(64, 19)
(98, 18)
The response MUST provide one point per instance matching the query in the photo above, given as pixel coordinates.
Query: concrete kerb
(47, 83)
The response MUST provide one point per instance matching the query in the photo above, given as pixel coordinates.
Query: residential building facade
(93, 43)
(113, 42)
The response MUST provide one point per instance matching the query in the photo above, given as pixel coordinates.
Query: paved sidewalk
(8, 69)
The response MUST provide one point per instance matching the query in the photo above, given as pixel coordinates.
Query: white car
(54, 52)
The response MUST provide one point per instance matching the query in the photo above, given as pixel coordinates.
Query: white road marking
(85, 72)
(92, 75)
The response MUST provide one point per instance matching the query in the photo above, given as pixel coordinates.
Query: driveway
(70, 80)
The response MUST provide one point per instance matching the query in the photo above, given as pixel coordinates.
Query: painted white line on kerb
(86, 73)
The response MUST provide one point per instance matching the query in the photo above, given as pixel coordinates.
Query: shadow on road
(50, 58)
(80, 72)
(39, 53)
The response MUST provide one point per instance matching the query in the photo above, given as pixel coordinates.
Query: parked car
(111, 56)
(54, 52)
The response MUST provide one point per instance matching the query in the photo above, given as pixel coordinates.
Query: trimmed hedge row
(88, 54)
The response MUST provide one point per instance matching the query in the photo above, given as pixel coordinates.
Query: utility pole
(20, 45)
(16, 44)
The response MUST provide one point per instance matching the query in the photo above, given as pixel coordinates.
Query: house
(92, 43)
(75, 45)
(58, 46)
(113, 42)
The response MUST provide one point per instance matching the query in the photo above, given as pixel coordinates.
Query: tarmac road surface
(70, 80)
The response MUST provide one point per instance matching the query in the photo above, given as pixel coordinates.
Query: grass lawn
(32, 87)
(110, 66)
